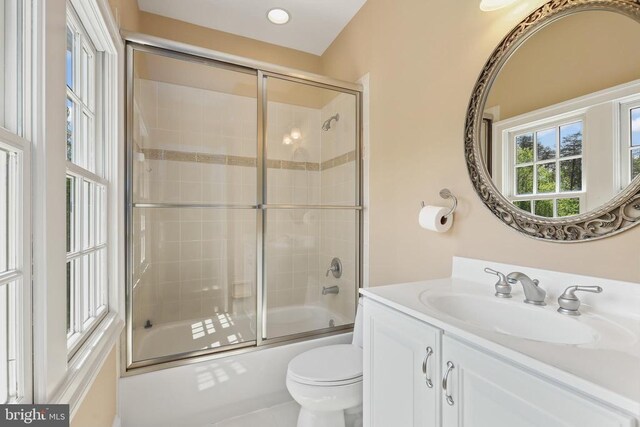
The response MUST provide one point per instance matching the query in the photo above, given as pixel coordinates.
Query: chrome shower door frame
(262, 71)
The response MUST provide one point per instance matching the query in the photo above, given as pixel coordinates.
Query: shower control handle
(335, 268)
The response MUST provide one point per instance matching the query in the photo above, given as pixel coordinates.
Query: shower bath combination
(231, 232)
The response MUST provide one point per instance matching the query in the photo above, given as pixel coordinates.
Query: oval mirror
(553, 129)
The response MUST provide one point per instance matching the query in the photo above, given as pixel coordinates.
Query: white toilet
(327, 382)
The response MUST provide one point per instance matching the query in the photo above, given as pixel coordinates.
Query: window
(87, 186)
(12, 279)
(10, 63)
(15, 282)
(629, 140)
(634, 142)
(547, 170)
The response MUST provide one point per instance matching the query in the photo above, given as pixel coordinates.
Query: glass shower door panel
(311, 145)
(194, 218)
(194, 274)
(194, 133)
(299, 247)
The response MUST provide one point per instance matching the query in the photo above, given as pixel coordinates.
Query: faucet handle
(503, 288)
(569, 302)
(335, 268)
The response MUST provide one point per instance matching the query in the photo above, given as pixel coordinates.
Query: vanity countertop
(607, 368)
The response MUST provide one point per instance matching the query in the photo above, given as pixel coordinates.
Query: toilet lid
(329, 364)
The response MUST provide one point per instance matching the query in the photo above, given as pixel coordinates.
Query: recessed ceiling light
(278, 16)
(490, 5)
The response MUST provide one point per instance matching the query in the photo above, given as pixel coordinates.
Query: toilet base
(309, 418)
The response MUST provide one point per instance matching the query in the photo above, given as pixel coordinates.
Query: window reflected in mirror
(560, 134)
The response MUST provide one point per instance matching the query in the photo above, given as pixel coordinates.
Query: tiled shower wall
(292, 236)
(193, 146)
(338, 187)
(199, 146)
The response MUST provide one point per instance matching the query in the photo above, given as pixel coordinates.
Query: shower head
(327, 124)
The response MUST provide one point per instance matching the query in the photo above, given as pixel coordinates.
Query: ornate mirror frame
(619, 214)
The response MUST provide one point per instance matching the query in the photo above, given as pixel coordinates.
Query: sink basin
(512, 317)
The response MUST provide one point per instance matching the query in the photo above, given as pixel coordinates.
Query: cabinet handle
(445, 381)
(424, 367)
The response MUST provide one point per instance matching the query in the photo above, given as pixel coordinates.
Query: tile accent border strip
(222, 159)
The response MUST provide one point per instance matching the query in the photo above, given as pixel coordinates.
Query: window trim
(85, 97)
(58, 379)
(563, 111)
(15, 137)
(509, 171)
(19, 267)
(624, 108)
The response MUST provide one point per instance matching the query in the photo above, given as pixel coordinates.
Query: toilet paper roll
(433, 218)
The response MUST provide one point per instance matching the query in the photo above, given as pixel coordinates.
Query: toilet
(327, 382)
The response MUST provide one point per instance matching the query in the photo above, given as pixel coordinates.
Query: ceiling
(313, 26)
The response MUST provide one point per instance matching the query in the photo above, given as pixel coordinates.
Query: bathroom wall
(126, 13)
(98, 408)
(423, 59)
(565, 45)
(132, 19)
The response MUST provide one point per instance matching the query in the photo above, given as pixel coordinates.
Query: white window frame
(625, 139)
(608, 102)
(56, 377)
(88, 301)
(18, 300)
(15, 139)
(510, 149)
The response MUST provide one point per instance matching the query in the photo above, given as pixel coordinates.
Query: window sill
(85, 365)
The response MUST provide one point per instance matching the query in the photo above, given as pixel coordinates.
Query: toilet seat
(329, 366)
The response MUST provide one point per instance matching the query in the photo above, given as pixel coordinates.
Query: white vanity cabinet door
(490, 392)
(395, 387)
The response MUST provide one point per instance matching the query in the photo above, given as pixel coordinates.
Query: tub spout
(330, 290)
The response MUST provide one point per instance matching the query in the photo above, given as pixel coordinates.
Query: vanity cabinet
(482, 389)
(401, 369)
(488, 391)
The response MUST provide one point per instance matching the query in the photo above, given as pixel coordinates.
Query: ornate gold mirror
(552, 136)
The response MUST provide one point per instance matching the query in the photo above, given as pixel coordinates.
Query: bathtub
(225, 329)
(200, 394)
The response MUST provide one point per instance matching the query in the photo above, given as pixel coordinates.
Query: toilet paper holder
(445, 193)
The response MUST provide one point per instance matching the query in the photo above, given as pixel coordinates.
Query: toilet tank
(357, 327)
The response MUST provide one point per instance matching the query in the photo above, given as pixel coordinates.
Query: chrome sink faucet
(533, 294)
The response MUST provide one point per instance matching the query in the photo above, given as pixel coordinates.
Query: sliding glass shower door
(194, 207)
(243, 206)
(312, 200)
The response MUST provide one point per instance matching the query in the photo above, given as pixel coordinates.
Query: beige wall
(131, 18)
(126, 13)
(424, 58)
(98, 408)
(568, 59)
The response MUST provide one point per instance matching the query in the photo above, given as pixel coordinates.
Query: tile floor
(282, 415)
